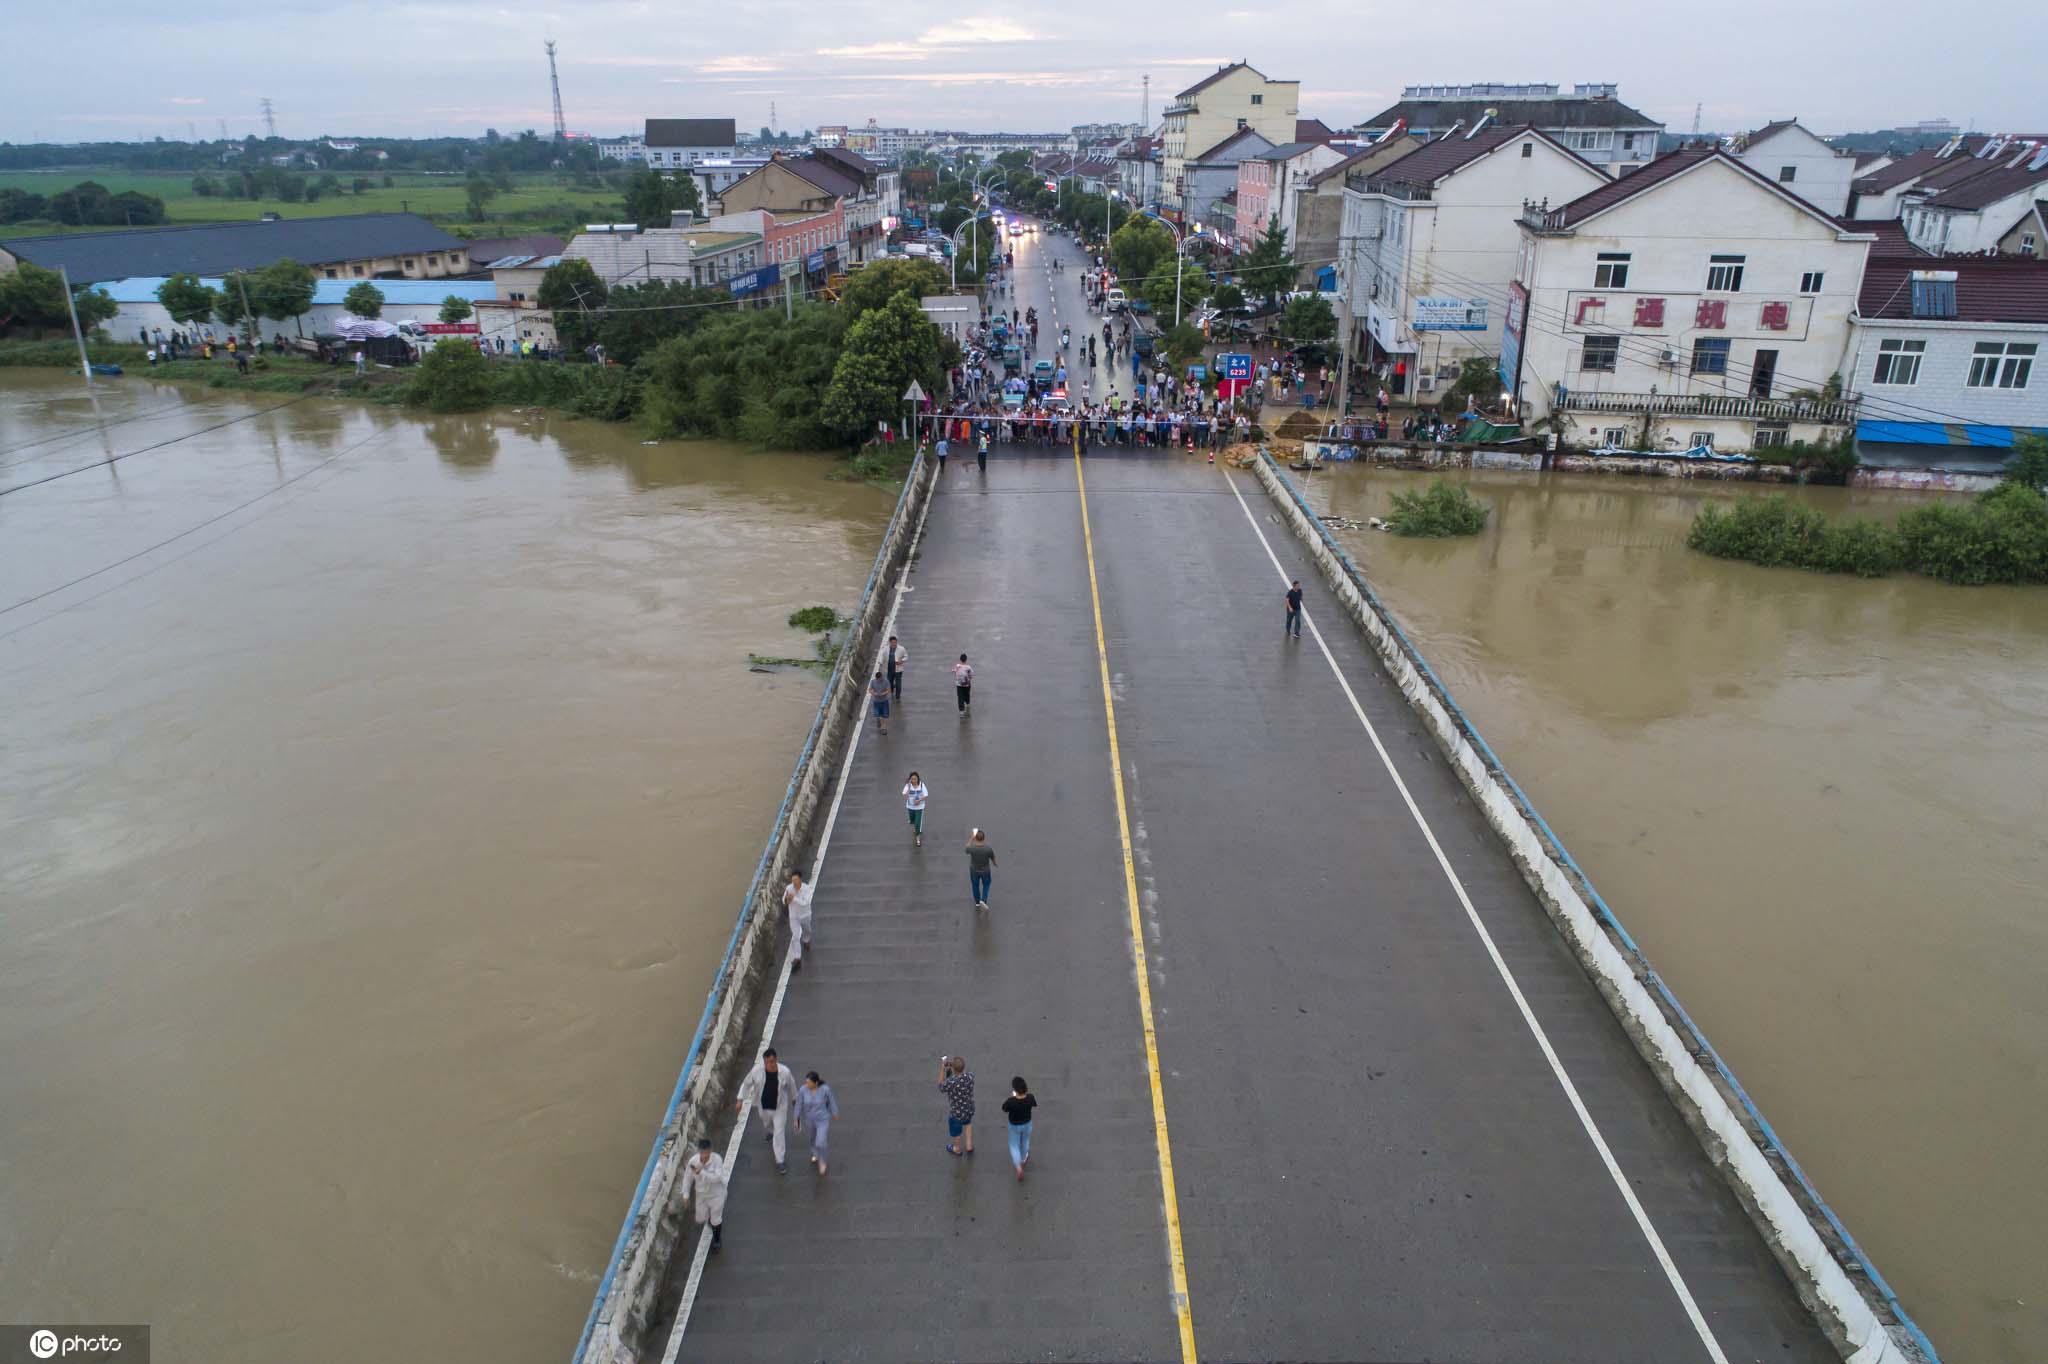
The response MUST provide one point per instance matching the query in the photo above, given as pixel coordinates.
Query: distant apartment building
(1137, 171)
(870, 195)
(829, 135)
(349, 246)
(1694, 302)
(631, 254)
(631, 149)
(1227, 101)
(673, 143)
(1589, 119)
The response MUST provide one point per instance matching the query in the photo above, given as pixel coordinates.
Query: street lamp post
(974, 219)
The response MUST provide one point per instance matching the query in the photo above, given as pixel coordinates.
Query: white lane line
(1571, 1092)
(739, 1129)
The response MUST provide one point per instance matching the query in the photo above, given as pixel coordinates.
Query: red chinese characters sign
(1712, 312)
(450, 328)
(1596, 308)
(1777, 316)
(1649, 312)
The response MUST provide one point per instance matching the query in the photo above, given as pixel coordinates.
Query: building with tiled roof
(347, 246)
(1207, 178)
(1972, 208)
(1428, 250)
(1944, 356)
(1319, 204)
(1201, 118)
(1801, 161)
(1589, 119)
(671, 143)
(1697, 301)
(1267, 184)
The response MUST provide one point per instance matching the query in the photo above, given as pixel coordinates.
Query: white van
(1115, 300)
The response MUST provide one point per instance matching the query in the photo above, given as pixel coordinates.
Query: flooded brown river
(1818, 803)
(376, 795)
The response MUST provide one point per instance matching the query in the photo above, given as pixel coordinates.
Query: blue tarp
(1940, 433)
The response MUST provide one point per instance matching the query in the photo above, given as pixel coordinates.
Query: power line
(116, 459)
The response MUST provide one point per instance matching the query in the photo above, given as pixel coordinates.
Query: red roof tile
(1313, 130)
(1988, 288)
(1444, 156)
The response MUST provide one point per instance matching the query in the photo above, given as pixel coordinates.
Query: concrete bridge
(1319, 1075)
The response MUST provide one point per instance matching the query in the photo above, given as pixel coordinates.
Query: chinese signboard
(449, 328)
(754, 281)
(1234, 374)
(1450, 314)
(1511, 336)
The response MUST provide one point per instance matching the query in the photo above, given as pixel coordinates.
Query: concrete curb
(628, 1298)
(1850, 1299)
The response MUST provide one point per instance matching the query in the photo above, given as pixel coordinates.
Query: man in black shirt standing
(1293, 622)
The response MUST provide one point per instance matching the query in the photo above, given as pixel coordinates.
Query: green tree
(1137, 249)
(572, 291)
(640, 317)
(389, 182)
(283, 289)
(747, 375)
(1268, 269)
(1308, 319)
(454, 376)
(205, 186)
(186, 299)
(364, 300)
(18, 205)
(880, 281)
(479, 193)
(885, 349)
(358, 185)
(1228, 298)
(31, 296)
(651, 197)
(455, 308)
(1185, 344)
(1159, 289)
(2029, 465)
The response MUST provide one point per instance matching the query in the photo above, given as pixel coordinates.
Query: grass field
(533, 201)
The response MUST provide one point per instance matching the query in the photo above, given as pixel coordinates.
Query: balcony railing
(1838, 412)
(1393, 189)
(1542, 217)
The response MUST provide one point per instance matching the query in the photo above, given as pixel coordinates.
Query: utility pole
(555, 81)
(248, 313)
(1345, 324)
(269, 115)
(84, 365)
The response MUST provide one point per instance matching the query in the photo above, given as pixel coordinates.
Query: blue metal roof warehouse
(216, 248)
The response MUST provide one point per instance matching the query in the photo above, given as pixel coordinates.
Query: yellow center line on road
(1182, 1312)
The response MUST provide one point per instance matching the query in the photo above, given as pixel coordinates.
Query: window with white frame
(1600, 354)
(1724, 274)
(2026, 243)
(1710, 355)
(1614, 437)
(1610, 270)
(1589, 139)
(1701, 440)
(2002, 364)
(1898, 363)
(1809, 283)
(1771, 433)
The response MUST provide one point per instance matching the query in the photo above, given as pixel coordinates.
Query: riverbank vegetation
(1442, 509)
(1999, 536)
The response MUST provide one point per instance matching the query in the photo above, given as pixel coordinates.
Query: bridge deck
(1374, 1158)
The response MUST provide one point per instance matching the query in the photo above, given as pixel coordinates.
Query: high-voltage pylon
(555, 80)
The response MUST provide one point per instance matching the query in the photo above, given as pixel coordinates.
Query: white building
(1973, 212)
(629, 254)
(1590, 119)
(1137, 171)
(1432, 244)
(1944, 356)
(1802, 162)
(672, 143)
(1693, 302)
(631, 149)
(512, 317)
(715, 176)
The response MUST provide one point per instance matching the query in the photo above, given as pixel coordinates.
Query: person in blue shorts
(878, 695)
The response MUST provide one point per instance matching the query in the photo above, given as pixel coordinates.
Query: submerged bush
(1442, 509)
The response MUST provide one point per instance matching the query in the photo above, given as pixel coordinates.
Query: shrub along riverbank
(1442, 509)
(2000, 536)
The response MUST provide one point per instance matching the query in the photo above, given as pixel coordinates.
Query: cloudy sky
(150, 69)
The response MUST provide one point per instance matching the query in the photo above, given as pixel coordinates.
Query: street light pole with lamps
(1180, 247)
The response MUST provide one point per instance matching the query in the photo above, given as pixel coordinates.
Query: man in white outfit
(796, 898)
(772, 1090)
(704, 1175)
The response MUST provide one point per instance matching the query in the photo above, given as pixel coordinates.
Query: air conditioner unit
(1669, 357)
(1425, 383)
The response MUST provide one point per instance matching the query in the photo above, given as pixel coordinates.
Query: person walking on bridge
(704, 1175)
(772, 1089)
(878, 698)
(796, 898)
(963, 685)
(915, 794)
(956, 1082)
(1292, 625)
(1018, 1108)
(816, 1107)
(981, 864)
(895, 656)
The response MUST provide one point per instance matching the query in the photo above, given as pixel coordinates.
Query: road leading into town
(1317, 1078)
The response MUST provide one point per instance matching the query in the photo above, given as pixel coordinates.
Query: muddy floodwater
(1821, 805)
(376, 796)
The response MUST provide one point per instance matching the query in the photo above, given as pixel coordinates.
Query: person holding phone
(956, 1082)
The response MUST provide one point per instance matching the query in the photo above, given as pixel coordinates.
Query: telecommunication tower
(1145, 106)
(1696, 117)
(269, 116)
(555, 81)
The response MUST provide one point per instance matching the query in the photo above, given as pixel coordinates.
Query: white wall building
(1693, 302)
(1946, 357)
(1802, 162)
(1200, 117)
(631, 149)
(1433, 241)
(1589, 118)
(634, 255)
(672, 143)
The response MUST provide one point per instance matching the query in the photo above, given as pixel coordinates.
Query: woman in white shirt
(796, 898)
(914, 797)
